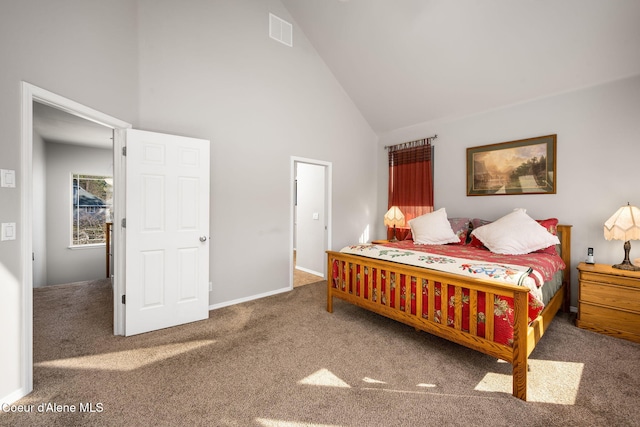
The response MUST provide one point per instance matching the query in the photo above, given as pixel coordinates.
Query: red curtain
(411, 179)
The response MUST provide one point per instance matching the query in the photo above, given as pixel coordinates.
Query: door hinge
(123, 223)
(124, 299)
(124, 151)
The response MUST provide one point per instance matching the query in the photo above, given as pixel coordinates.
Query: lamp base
(626, 265)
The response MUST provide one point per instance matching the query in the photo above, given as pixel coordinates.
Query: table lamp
(624, 225)
(394, 217)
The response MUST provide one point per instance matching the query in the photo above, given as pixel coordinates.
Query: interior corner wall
(597, 150)
(212, 72)
(39, 212)
(84, 51)
(67, 265)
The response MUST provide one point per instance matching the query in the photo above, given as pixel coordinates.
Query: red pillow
(475, 223)
(551, 224)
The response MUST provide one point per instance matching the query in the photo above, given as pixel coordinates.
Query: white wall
(311, 231)
(66, 265)
(598, 148)
(85, 51)
(209, 70)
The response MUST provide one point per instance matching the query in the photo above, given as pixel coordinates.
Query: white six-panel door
(167, 231)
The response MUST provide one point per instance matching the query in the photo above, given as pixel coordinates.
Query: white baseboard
(306, 270)
(249, 298)
(14, 397)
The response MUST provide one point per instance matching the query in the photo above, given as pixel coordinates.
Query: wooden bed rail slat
(369, 284)
(457, 322)
(419, 284)
(473, 312)
(488, 315)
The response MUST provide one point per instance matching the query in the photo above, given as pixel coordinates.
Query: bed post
(520, 356)
(329, 282)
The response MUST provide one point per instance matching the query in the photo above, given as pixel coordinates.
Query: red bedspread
(544, 265)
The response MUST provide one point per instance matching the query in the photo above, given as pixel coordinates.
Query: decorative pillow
(460, 227)
(515, 234)
(433, 229)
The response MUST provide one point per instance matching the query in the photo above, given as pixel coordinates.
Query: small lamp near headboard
(394, 217)
(624, 225)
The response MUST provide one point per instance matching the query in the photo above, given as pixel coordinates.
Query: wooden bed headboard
(564, 234)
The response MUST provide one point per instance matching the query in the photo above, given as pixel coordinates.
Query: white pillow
(433, 229)
(515, 234)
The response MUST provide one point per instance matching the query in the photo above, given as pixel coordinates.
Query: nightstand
(379, 242)
(609, 301)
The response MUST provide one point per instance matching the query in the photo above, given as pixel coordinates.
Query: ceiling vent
(280, 30)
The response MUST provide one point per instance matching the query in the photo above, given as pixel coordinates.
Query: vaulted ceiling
(405, 62)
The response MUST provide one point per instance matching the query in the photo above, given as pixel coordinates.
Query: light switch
(7, 178)
(316, 215)
(8, 231)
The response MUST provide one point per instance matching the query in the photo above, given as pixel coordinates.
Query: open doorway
(72, 197)
(311, 219)
(30, 95)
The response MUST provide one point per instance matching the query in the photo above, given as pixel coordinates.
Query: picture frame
(525, 166)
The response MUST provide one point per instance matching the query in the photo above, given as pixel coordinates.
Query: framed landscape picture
(526, 166)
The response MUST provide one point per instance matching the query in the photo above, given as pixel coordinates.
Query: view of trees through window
(92, 202)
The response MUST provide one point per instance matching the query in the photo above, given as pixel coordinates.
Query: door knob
(203, 238)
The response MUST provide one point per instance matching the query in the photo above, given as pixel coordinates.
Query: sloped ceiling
(405, 62)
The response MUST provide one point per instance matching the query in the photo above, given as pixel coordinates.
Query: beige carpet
(285, 361)
(301, 278)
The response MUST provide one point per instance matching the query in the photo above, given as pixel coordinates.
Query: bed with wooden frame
(525, 334)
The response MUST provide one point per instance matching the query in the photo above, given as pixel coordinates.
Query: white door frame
(328, 197)
(31, 93)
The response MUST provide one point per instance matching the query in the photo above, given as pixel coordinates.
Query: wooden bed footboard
(400, 303)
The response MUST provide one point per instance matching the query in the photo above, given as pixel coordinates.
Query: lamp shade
(394, 217)
(623, 225)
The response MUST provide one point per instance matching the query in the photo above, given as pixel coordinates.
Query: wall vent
(280, 30)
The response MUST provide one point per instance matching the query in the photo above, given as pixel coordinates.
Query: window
(411, 178)
(91, 208)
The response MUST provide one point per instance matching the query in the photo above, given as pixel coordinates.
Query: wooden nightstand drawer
(609, 295)
(612, 279)
(610, 319)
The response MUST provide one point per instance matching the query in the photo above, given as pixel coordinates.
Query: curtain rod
(409, 144)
